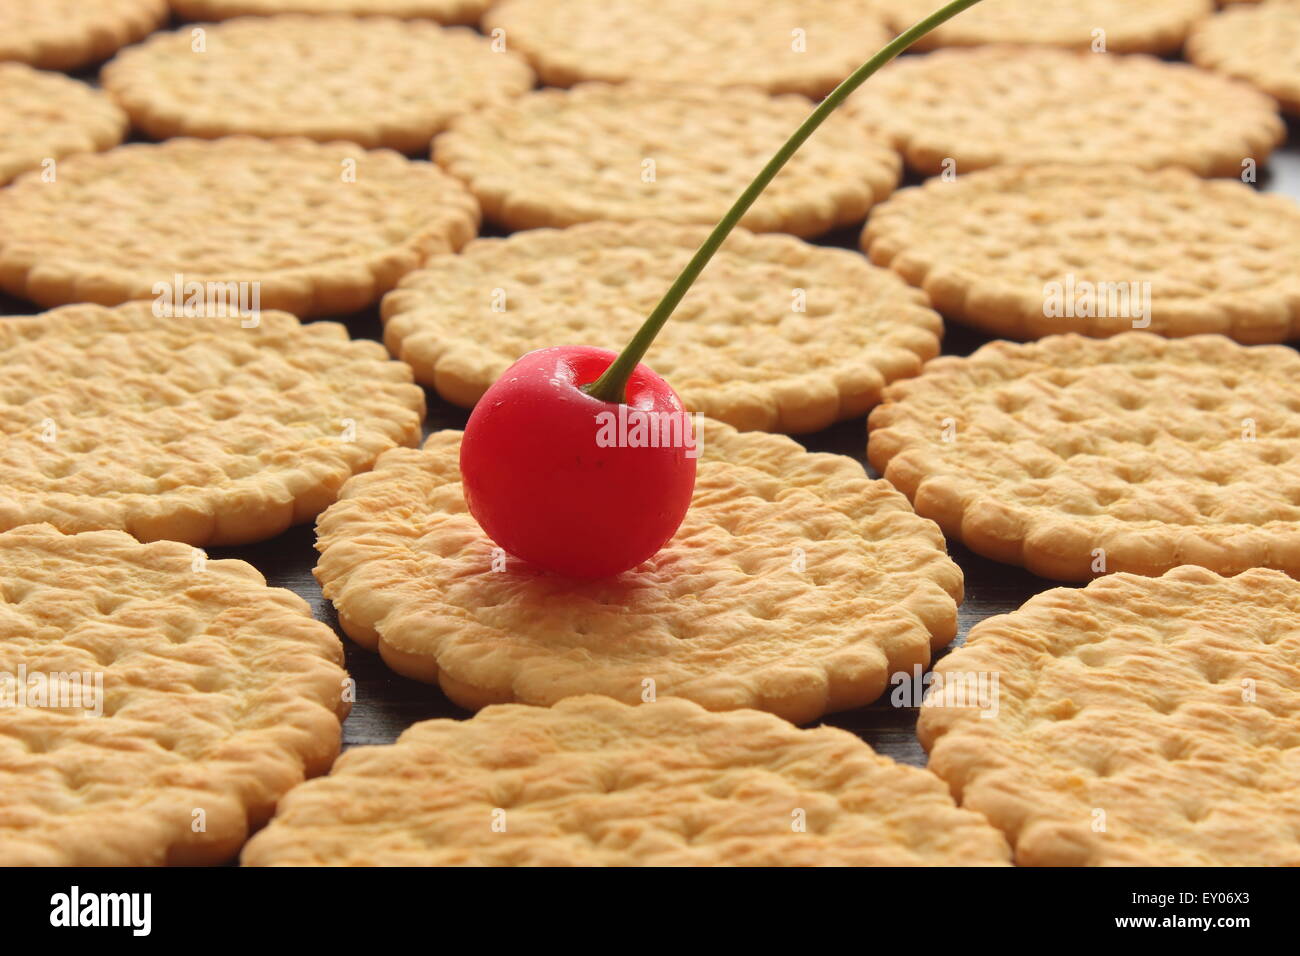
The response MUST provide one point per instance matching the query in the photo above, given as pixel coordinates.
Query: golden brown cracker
(795, 585)
(1117, 26)
(782, 46)
(321, 229)
(1075, 457)
(195, 429)
(776, 335)
(593, 782)
(957, 111)
(1259, 44)
(68, 34)
(374, 81)
(156, 705)
(46, 116)
(1134, 722)
(1024, 252)
(682, 154)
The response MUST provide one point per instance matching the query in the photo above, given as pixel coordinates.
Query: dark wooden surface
(387, 704)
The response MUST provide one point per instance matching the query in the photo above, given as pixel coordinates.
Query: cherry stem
(612, 385)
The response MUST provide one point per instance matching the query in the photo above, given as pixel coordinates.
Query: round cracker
(782, 46)
(593, 782)
(1259, 44)
(459, 12)
(178, 691)
(325, 78)
(1075, 457)
(776, 335)
(194, 429)
(323, 229)
(795, 585)
(957, 111)
(1014, 251)
(1137, 722)
(67, 34)
(659, 151)
(1124, 26)
(46, 116)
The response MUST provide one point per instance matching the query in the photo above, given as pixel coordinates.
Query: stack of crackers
(192, 192)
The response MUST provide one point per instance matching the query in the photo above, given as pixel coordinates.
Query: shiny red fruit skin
(541, 486)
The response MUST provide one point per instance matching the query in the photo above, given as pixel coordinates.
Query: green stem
(612, 385)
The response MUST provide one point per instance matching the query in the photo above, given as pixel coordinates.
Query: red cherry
(539, 482)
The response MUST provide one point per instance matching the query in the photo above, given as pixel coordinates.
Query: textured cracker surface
(994, 105)
(219, 694)
(323, 77)
(1219, 256)
(559, 157)
(1161, 452)
(722, 615)
(735, 349)
(48, 116)
(444, 11)
(66, 34)
(1258, 44)
(1169, 705)
(280, 213)
(592, 782)
(713, 43)
(1131, 26)
(191, 429)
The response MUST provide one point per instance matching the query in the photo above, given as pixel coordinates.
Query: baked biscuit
(592, 782)
(195, 429)
(68, 34)
(776, 335)
(1134, 722)
(1027, 252)
(782, 46)
(1075, 457)
(46, 116)
(323, 77)
(956, 111)
(1123, 26)
(795, 585)
(1259, 44)
(654, 151)
(157, 705)
(319, 229)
